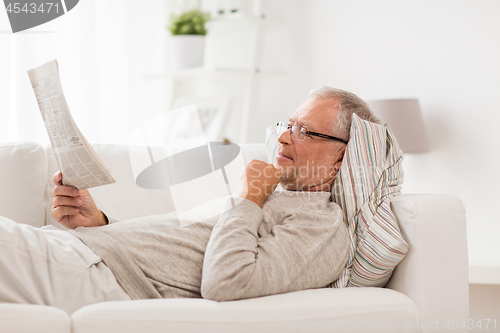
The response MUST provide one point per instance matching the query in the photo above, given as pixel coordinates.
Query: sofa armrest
(435, 271)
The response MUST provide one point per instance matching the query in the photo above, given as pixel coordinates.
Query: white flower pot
(187, 51)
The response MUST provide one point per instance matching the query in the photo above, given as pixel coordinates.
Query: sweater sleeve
(305, 251)
(109, 219)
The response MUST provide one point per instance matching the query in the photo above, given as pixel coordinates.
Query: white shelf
(484, 274)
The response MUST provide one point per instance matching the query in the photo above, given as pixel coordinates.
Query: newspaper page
(80, 165)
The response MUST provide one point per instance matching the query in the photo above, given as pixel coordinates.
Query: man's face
(310, 164)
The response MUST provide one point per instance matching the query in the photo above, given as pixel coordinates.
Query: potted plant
(188, 38)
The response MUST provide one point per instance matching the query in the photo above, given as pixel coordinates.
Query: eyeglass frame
(320, 135)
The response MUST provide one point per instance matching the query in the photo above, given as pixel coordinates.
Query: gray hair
(348, 103)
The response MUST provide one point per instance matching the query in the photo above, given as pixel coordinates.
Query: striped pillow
(370, 175)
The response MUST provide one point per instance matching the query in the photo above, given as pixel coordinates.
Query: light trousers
(48, 266)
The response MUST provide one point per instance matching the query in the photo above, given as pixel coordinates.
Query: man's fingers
(57, 178)
(65, 190)
(60, 189)
(66, 201)
(60, 212)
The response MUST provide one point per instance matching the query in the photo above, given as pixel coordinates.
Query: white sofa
(429, 288)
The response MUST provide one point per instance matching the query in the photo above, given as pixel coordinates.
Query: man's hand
(74, 208)
(258, 181)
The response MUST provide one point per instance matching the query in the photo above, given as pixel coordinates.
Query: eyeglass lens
(298, 132)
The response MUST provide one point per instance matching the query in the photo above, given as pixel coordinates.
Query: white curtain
(106, 49)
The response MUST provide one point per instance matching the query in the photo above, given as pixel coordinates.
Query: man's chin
(289, 186)
(288, 182)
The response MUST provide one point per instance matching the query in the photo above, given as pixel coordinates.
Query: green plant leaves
(189, 23)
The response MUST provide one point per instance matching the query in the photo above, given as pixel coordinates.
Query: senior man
(270, 242)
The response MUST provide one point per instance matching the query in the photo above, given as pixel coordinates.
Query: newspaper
(80, 165)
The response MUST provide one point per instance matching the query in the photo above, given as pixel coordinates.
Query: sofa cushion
(320, 309)
(435, 271)
(27, 318)
(24, 174)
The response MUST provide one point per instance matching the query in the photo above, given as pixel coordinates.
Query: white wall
(446, 53)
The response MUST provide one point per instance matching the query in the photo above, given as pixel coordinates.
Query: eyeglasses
(300, 132)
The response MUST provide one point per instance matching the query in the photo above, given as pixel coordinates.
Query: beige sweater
(297, 241)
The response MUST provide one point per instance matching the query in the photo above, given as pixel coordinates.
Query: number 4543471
(479, 324)
(16, 7)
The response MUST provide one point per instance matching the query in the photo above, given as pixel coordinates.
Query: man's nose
(285, 137)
